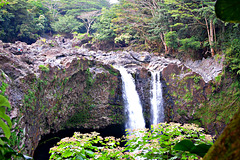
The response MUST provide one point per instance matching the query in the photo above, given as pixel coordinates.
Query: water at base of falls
(133, 107)
(157, 110)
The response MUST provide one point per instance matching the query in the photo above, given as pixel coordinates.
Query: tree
(23, 20)
(198, 12)
(104, 26)
(83, 11)
(160, 22)
(16, 22)
(171, 39)
(53, 7)
(88, 18)
(66, 24)
(129, 24)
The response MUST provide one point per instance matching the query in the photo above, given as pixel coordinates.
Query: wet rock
(208, 68)
(187, 90)
(141, 57)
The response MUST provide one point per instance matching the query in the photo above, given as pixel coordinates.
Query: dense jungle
(119, 79)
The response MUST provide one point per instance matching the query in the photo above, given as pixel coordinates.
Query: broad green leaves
(6, 152)
(5, 127)
(228, 10)
(187, 145)
(184, 145)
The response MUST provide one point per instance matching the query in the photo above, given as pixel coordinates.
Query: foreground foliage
(155, 143)
(6, 152)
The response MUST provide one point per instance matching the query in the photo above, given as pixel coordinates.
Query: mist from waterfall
(157, 110)
(133, 107)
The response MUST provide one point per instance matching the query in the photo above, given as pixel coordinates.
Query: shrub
(189, 44)
(123, 39)
(196, 79)
(6, 152)
(233, 56)
(172, 39)
(44, 68)
(66, 24)
(156, 143)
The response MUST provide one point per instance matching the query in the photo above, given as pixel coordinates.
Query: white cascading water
(157, 110)
(133, 107)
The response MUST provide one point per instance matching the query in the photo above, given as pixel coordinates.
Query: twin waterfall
(133, 107)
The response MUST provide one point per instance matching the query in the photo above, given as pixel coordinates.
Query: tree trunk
(164, 43)
(215, 35)
(210, 35)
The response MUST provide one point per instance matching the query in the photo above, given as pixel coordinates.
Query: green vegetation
(3, 88)
(44, 68)
(172, 40)
(22, 20)
(233, 56)
(156, 143)
(228, 139)
(228, 11)
(66, 24)
(222, 105)
(187, 27)
(27, 20)
(6, 151)
(196, 79)
(5, 127)
(185, 24)
(189, 146)
(171, 26)
(89, 78)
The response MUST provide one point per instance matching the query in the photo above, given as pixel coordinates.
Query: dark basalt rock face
(143, 84)
(187, 90)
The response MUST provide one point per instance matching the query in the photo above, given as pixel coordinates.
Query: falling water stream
(157, 110)
(133, 107)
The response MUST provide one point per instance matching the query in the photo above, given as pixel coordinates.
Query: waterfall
(133, 107)
(157, 110)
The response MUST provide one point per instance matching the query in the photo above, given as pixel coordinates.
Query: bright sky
(113, 1)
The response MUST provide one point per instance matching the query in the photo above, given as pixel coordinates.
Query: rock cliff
(50, 90)
(54, 84)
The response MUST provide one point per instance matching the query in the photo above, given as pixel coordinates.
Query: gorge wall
(54, 85)
(74, 93)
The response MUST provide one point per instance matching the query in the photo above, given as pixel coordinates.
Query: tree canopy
(173, 27)
(26, 20)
